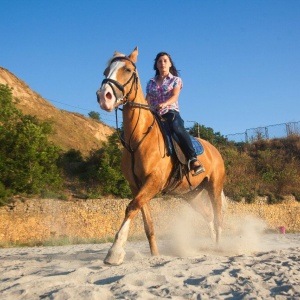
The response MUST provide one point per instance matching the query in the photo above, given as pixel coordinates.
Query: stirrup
(197, 169)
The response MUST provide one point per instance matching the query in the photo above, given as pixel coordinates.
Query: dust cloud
(188, 234)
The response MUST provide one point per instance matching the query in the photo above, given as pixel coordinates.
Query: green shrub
(296, 195)
(2, 190)
(94, 115)
(250, 197)
(27, 159)
(104, 167)
(99, 174)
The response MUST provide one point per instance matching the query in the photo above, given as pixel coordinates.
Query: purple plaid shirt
(161, 93)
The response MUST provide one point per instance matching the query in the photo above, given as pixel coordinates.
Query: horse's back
(212, 160)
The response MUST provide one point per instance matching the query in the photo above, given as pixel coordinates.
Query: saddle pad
(197, 145)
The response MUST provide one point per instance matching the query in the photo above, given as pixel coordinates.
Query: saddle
(172, 144)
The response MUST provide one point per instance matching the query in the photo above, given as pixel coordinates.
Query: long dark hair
(173, 69)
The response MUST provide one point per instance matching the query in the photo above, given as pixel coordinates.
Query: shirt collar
(169, 76)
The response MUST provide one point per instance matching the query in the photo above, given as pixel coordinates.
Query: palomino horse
(144, 161)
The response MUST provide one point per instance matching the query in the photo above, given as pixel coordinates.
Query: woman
(162, 93)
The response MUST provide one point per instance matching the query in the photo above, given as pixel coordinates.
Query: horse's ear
(134, 54)
(116, 53)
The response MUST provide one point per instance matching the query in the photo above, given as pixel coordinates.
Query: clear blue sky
(239, 60)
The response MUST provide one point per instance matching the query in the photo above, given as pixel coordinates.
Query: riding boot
(196, 166)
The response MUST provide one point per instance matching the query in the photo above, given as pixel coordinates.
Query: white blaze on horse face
(107, 96)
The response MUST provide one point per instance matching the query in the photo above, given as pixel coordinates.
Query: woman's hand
(161, 105)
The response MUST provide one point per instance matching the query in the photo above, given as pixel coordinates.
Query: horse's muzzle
(106, 99)
(98, 96)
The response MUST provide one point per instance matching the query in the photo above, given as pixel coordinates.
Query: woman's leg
(176, 124)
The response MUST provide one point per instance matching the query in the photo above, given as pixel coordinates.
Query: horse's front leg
(150, 188)
(116, 253)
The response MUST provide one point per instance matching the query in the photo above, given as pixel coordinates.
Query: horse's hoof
(115, 257)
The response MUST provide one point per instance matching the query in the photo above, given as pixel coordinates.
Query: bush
(104, 167)
(27, 159)
(100, 173)
(296, 195)
(241, 177)
(94, 115)
(71, 162)
(264, 167)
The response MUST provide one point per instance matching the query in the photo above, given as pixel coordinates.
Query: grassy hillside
(71, 130)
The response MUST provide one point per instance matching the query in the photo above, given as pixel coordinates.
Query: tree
(94, 115)
(27, 159)
(8, 112)
(208, 134)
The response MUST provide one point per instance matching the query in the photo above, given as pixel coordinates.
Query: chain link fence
(264, 133)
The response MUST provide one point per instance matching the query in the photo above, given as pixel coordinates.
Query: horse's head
(121, 82)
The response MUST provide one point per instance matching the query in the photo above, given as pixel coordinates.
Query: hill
(71, 130)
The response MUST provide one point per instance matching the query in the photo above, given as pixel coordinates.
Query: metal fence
(264, 133)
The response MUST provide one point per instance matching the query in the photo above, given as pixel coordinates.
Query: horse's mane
(115, 54)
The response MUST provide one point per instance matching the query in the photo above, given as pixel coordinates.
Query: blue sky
(239, 60)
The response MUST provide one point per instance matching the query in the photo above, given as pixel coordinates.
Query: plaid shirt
(161, 93)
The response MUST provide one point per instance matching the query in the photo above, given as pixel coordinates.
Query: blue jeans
(176, 125)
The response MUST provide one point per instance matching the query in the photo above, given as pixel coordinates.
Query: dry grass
(37, 222)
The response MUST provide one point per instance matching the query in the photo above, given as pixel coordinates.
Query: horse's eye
(127, 70)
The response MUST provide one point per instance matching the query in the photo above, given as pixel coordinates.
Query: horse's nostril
(108, 96)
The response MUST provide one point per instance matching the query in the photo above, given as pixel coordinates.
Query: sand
(244, 266)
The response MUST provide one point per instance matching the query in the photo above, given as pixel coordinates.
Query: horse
(145, 163)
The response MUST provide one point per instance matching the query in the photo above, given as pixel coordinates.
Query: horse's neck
(136, 120)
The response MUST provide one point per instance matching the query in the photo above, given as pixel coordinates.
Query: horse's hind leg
(149, 229)
(216, 197)
(202, 204)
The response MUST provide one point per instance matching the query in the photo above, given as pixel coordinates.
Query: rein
(127, 145)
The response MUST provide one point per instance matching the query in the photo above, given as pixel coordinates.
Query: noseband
(121, 87)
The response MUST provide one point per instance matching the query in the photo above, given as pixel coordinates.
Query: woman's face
(163, 64)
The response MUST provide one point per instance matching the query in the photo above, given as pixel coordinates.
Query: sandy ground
(244, 266)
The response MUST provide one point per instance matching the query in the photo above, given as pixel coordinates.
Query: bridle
(113, 83)
(125, 100)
